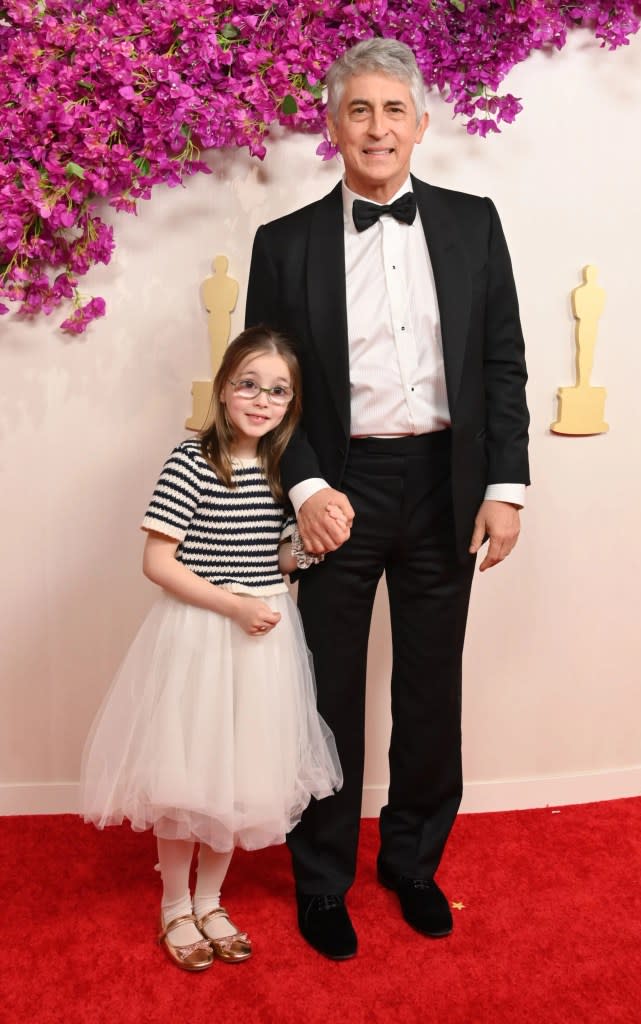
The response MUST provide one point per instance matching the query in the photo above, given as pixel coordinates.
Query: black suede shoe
(325, 924)
(423, 905)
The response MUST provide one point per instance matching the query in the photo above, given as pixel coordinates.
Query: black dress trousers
(400, 489)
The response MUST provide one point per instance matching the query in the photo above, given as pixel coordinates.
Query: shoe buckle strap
(175, 923)
(210, 915)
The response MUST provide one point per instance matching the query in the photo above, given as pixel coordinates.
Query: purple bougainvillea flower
(64, 286)
(82, 317)
(96, 307)
(327, 150)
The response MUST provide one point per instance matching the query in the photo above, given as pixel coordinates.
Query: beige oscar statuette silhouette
(219, 293)
(582, 408)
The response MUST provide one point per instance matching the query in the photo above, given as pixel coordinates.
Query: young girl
(210, 732)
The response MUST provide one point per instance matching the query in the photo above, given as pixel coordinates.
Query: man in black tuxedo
(415, 425)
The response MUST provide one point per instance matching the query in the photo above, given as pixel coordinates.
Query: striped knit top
(229, 536)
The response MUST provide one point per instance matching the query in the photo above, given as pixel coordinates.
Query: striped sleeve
(176, 495)
(288, 528)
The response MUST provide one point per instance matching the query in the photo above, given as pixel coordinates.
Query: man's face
(376, 130)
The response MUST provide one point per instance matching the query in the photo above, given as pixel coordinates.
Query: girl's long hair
(216, 440)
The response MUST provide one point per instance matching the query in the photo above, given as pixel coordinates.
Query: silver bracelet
(303, 560)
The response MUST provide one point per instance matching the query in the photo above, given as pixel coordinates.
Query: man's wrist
(300, 492)
(511, 494)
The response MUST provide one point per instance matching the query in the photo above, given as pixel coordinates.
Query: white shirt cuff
(513, 493)
(304, 490)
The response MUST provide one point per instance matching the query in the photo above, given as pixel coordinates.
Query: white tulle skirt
(209, 734)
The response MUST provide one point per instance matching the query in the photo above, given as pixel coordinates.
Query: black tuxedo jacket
(297, 286)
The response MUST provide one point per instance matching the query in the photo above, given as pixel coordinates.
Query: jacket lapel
(326, 297)
(452, 278)
(326, 294)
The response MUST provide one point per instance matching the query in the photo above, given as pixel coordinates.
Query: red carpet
(550, 931)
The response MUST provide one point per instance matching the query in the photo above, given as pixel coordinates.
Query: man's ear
(421, 127)
(331, 129)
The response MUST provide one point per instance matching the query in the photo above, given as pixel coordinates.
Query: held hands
(501, 522)
(324, 521)
(336, 513)
(254, 616)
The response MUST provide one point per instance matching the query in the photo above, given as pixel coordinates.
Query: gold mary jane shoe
(197, 956)
(230, 948)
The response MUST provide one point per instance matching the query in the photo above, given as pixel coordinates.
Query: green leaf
(142, 164)
(230, 32)
(459, 4)
(86, 84)
(315, 90)
(289, 105)
(74, 170)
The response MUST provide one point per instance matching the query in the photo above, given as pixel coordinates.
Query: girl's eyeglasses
(279, 394)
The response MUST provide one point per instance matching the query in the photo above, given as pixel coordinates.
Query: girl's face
(254, 416)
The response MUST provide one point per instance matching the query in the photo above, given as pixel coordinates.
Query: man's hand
(500, 521)
(320, 529)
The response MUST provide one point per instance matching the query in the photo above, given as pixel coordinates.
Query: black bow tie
(365, 214)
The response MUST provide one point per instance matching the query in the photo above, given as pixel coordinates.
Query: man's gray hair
(385, 56)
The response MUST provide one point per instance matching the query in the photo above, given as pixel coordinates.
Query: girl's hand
(254, 616)
(286, 560)
(336, 513)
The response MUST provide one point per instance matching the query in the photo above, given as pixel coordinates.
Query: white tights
(174, 860)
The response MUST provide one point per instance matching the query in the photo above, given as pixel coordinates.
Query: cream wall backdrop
(551, 705)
